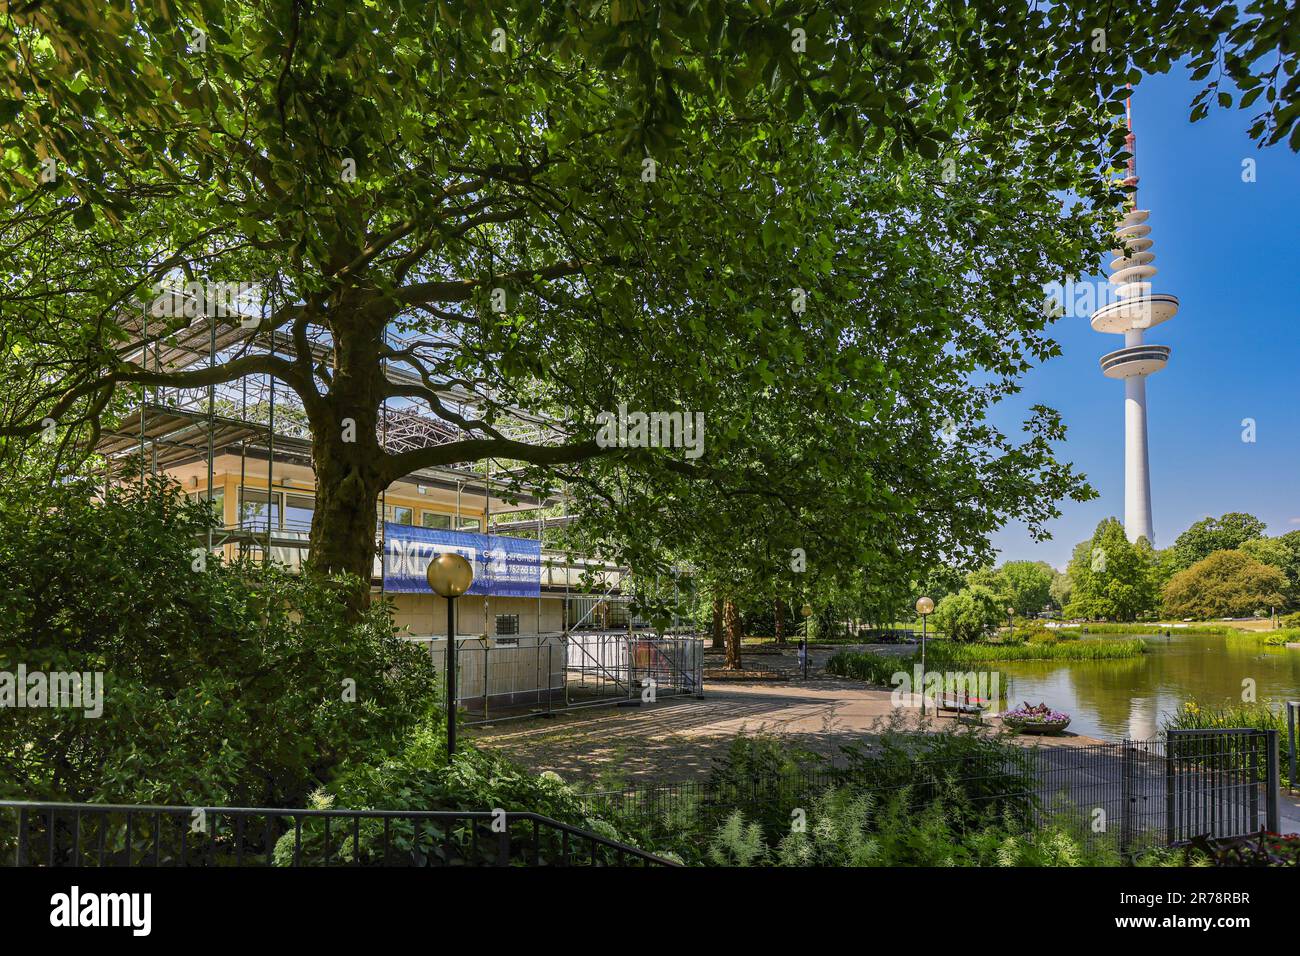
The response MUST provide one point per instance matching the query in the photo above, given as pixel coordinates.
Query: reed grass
(1065, 651)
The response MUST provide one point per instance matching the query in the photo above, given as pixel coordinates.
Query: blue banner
(509, 567)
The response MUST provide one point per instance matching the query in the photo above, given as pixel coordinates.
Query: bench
(965, 706)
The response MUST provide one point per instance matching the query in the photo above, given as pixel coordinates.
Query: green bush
(1197, 714)
(763, 783)
(223, 685)
(418, 777)
(1290, 620)
(845, 827)
(1033, 632)
(1289, 635)
(977, 777)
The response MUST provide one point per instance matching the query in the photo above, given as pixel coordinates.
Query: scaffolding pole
(212, 412)
(270, 450)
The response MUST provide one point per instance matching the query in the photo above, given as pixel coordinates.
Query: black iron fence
(106, 835)
(1217, 783)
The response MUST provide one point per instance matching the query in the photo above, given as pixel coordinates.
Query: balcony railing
(1144, 359)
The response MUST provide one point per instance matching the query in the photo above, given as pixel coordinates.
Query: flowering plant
(1036, 718)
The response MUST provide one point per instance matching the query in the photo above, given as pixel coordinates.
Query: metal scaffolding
(252, 418)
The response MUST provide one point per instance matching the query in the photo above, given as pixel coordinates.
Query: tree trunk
(343, 526)
(731, 618)
(717, 622)
(349, 461)
(778, 612)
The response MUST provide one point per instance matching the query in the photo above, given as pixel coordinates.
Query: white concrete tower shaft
(1137, 466)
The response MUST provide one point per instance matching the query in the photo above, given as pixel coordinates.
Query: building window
(256, 509)
(402, 515)
(507, 624)
(218, 503)
(432, 519)
(298, 511)
(469, 524)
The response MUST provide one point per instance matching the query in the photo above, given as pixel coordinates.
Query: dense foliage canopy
(825, 227)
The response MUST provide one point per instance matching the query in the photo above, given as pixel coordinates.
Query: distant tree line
(1219, 567)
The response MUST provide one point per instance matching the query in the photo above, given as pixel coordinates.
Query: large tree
(1215, 534)
(1283, 553)
(1028, 585)
(1113, 578)
(970, 613)
(840, 211)
(1224, 584)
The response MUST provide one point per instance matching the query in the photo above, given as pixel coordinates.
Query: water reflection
(1129, 698)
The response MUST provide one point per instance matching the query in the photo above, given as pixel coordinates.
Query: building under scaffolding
(245, 448)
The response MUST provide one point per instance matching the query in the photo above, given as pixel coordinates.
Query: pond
(1130, 698)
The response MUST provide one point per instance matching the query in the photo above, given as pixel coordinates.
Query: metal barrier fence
(617, 664)
(517, 676)
(527, 670)
(105, 835)
(1219, 783)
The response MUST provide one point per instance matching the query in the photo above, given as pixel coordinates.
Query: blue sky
(1230, 251)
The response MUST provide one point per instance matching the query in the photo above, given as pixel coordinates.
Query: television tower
(1135, 311)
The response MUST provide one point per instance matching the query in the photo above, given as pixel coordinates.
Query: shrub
(1197, 714)
(737, 843)
(1289, 635)
(225, 685)
(977, 778)
(1262, 849)
(418, 777)
(1032, 632)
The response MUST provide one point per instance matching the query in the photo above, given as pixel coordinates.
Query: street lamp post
(1010, 611)
(450, 576)
(924, 607)
(806, 611)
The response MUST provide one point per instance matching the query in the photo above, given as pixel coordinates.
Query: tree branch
(460, 290)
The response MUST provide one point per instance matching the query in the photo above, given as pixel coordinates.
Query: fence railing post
(1291, 707)
(1171, 784)
(1272, 783)
(503, 843)
(1126, 786)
